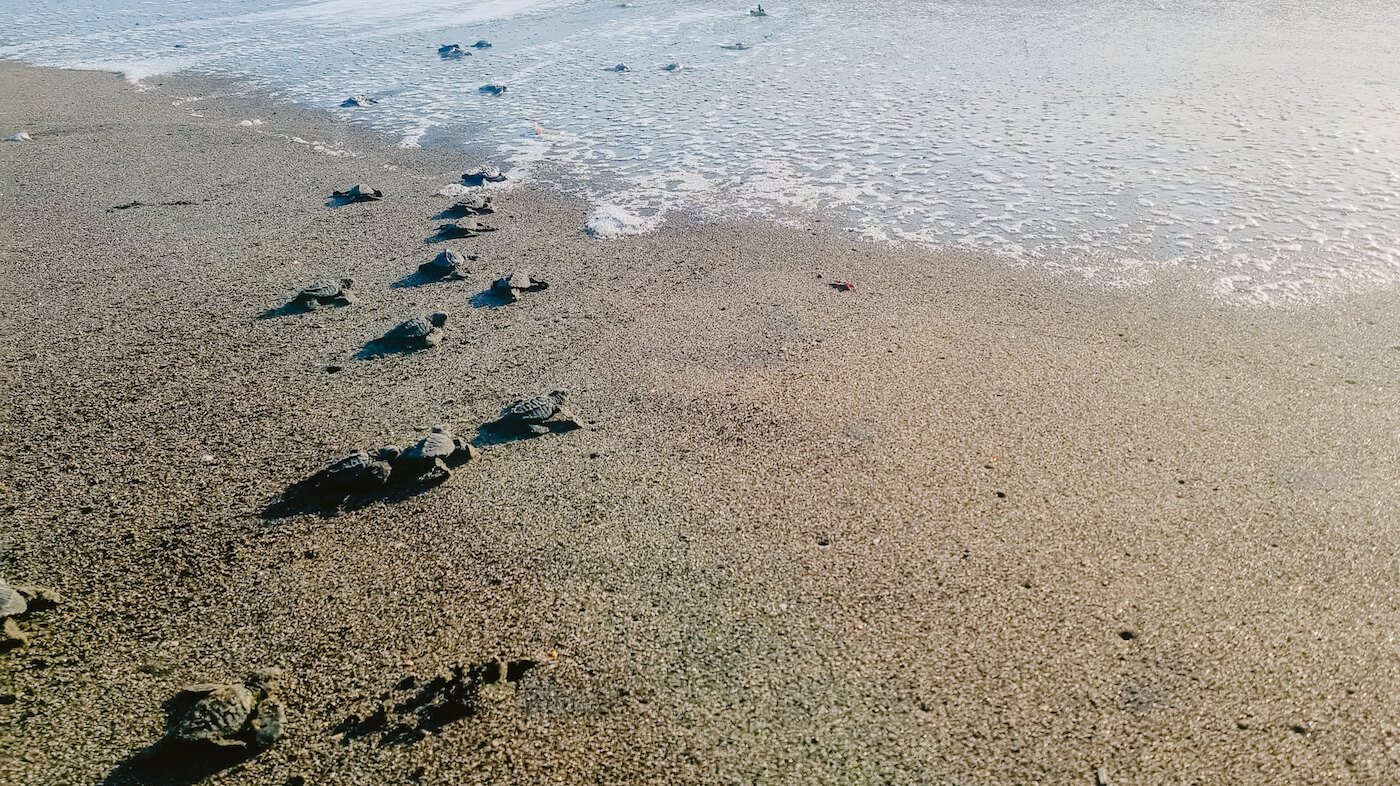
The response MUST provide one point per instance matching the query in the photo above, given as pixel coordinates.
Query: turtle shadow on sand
(417, 279)
(375, 349)
(458, 211)
(505, 430)
(170, 763)
(491, 297)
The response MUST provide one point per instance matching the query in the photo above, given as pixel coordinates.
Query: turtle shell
(211, 713)
(448, 261)
(531, 410)
(437, 444)
(474, 203)
(452, 50)
(346, 468)
(323, 290)
(483, 44)
(417, 327)
(12, 604)
(516, 280)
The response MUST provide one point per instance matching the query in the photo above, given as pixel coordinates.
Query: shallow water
(1254, 142)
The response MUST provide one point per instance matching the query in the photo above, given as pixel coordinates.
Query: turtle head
(559, 395)
(439, 318)
(347, 283)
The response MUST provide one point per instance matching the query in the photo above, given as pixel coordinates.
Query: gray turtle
(244, 716)
(482, 44)
(420, 332)
(447, 266)
(360, 193)
(737, 46)
(758, 12)
(427, 458)
(453, 52)
(326, 293)
(463, 228)
(472, 205)
(532, 414)
(12, 601)
(486, 174)
(512, 284)
(673, 67)
(360, 470)
(492, 90)
(359, 101)
(620, 67)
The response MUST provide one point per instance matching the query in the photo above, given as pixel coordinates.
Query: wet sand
(968, 523)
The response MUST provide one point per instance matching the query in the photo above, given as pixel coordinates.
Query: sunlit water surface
(1253, 142)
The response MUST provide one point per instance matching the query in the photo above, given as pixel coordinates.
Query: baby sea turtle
(359, 101)
(737, 46)
(619, 68)
(532, 414)
(467, 227)
(452, 52)
(360, 193)
(359, 471)
(486, 174)
(243, 716)
(482, 44)
(447, 266)
(472, 205)
(758, 12)
(12, 602)
(427, 458)
(493, 89)
(511, 285)
(326, 293)
(672, 67)
(420, 332)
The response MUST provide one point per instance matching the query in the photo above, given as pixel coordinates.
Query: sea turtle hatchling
(428, 457)
(492, 90)
(447, 266)
(358, 471)
(482, 44)
(360, 193)
(737, 46)
(463, 228)
(512, 284)
(532, 414)
(486, 174)
(452, 52)
(673, 67)
(420, 332)
(326, 293)
(471, 205)
(12, 602)
(358, 101)
(620, 68)
(244, 716)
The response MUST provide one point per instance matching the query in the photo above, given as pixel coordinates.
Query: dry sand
(968, 524)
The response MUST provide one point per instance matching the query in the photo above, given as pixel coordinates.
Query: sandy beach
(970, 523)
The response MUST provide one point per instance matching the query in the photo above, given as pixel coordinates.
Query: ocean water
(1255, 143)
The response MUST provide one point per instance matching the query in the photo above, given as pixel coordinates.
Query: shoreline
(805, 535)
